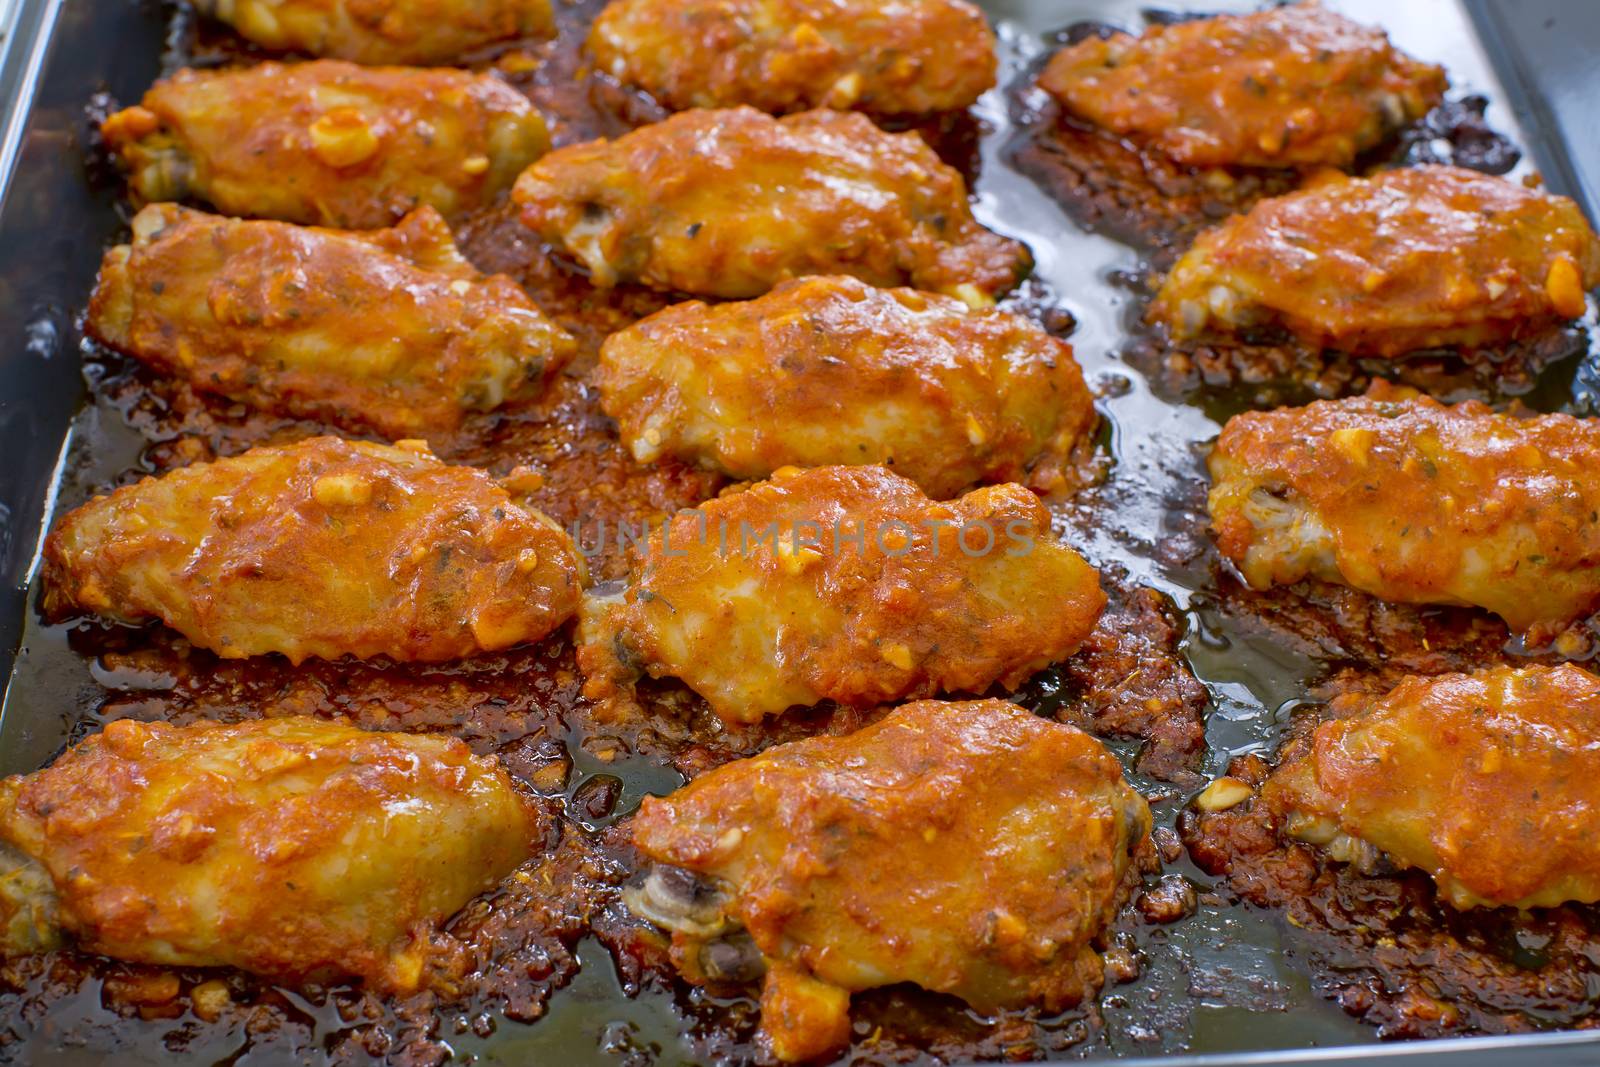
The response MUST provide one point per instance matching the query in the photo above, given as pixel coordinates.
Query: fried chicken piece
(423, 32)
(320, 548)
(1417, 258)
(972, 848)
(327, 142)
(390, 330)
(1409, 500)
(1289, 86)
(830, 370)
(1490, 782)
(789, 55)
(730, 203)
(844, 584)
(296, 848)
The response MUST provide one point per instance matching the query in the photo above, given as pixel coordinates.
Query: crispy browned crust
(1129, 681)
(1132, 193)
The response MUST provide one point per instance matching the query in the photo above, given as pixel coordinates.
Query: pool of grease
(551, 968)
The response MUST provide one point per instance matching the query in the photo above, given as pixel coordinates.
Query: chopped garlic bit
(1564, 286)
(343, 138)
(1222, 794)
(342, 490)
(1354, 442)
(972, 296)
(897, 655)
(975, 434)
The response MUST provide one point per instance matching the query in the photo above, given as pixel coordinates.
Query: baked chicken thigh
(1489, 782)
(389, 330)
(1415, 258)
(844, 584)
(295, 848)
(832, 371)
(321, 548)
(972, 848)
(1410, 500)
(1291, 86)
(327, 142)
(730, 203)
(789, 55)
(423, 32)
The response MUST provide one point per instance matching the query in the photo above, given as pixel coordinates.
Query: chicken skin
(730, 203)
(972, 848)
(907, 57)
(295, 848)
(1410, 500)
(844, 584)
(327, 142)
(1416, 258)
(321, 548)
(832, 371)
(1295, 86)
(389, 330)
(1489, 782)
(423, 32)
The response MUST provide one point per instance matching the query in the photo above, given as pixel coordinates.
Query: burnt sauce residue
(1200, 960)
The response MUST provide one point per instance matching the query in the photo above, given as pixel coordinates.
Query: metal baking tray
(1534, 59)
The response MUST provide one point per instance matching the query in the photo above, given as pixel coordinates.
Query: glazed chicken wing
(390, 330)
(1490, 782)
(972, 848)
(830, 370)
(1410, 500)
(327, 142)
(730, 203)
(1286, 87)
(789, 55)
(321, 548)
(423, 32)
(295, 848)
(844, 584)
(1414, 258)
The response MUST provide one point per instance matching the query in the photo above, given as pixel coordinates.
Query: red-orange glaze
(831, 370)
(423, 32)
(1288, 86)
(788, 55)
(1490, 782)
(1414, 258)
(388, 330)
(969, 847)
(844, 584)
(729, 203)
(322, 548)
(327, 142)
(296, 848)
(1411, 500)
